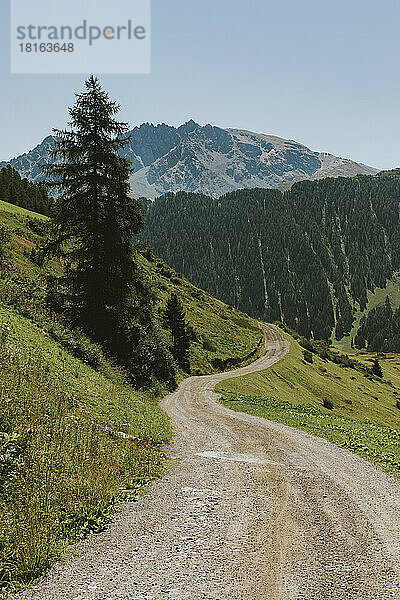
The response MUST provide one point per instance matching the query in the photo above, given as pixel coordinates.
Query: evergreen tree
(174, 319)
(380, 329)
(377, 369)
(93, 209)
(94, 223)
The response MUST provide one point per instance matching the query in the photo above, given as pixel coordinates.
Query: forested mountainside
(208, 159)
(22, 192)
(306, 257)
(379, 330)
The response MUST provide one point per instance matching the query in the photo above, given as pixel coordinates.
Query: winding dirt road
(252, 510)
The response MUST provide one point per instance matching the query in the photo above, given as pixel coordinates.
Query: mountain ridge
(209, 159)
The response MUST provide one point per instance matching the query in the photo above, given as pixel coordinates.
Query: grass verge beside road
(377, 444)
(73, 441)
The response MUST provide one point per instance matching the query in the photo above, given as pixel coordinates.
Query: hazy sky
(325, 73)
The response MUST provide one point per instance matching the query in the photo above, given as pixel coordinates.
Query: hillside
(63, 461)
(309, 257)
(355, 394)
(75, 436)
(209, 160)
(221, 333)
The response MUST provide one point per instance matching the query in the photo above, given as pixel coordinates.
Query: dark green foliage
(315, 250)
(94, 223)
(209, 346)
(377, 369)
(328, 404)
(22, 192)
(38, 226)
(379, 331)
(398, 404)
(93, 212)
(308, 357)
(174, 320)
(145, 353)
(5, 236)
(305, 343)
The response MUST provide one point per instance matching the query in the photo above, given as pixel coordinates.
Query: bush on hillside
(5, 237)
(147, 356)
(322, 349)
(377, 369)
(307, 355)
(38, 226)
(328, 404)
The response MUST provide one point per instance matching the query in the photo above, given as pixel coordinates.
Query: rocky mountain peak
(209, 159)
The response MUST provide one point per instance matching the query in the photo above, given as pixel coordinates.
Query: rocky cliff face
(209, 160)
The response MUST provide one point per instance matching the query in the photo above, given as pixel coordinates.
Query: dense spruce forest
(306, 257)
(23, 193)
(379, 331)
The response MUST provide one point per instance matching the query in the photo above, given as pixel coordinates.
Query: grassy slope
(222, 332)
(23, 239)
(12, 209)
(365, 418)
(63, 462)
(104, 394)
(298, 382)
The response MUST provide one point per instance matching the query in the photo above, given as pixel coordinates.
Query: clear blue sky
(325, 73)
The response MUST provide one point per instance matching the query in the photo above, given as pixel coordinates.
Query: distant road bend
(253, 510)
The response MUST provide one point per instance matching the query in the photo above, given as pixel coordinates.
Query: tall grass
(60, 469)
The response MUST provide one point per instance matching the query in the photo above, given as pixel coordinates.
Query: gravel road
(250, 510)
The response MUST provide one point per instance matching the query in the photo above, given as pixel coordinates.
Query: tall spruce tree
(93, 209)
(94, 223)
(174, 319)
